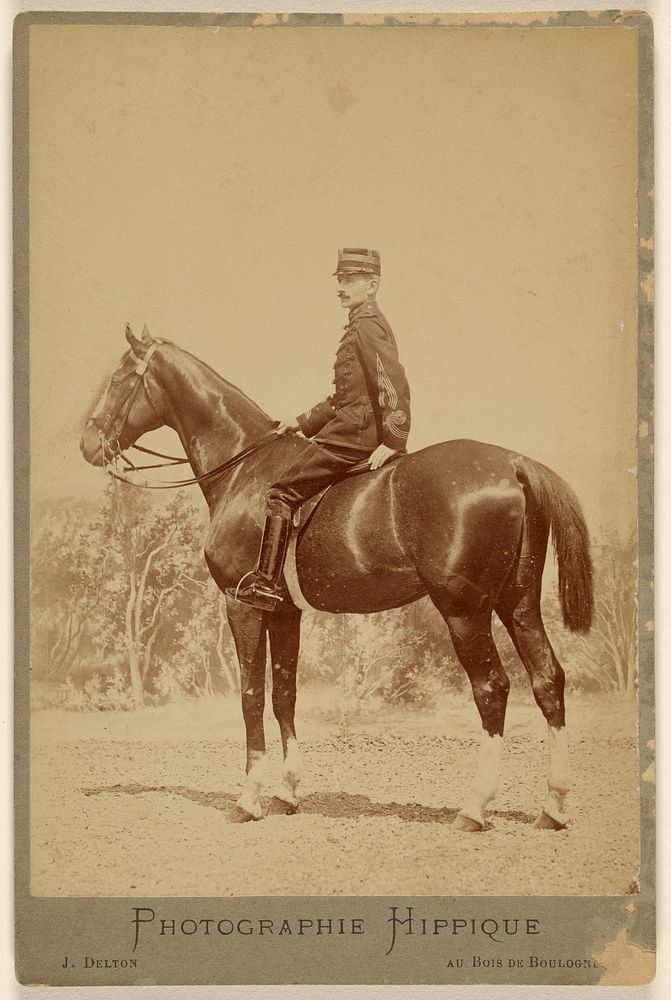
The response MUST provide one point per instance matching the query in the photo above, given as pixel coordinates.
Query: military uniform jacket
(371, 401)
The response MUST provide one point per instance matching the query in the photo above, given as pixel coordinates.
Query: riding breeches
(313, 471)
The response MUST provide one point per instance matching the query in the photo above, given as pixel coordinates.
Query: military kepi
(357, 261)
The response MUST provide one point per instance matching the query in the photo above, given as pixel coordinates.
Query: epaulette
(374, 317)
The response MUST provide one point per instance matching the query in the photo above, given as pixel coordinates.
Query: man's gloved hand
(381, 455)
(287, 425)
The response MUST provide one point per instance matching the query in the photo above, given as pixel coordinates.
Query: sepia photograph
(336, 387)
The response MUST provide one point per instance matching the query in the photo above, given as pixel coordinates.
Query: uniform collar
(368, 308)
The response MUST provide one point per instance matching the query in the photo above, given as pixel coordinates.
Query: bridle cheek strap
(145, 385)
(141, 364)
(125, 404)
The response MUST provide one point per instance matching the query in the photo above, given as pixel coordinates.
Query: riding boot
(261, 588)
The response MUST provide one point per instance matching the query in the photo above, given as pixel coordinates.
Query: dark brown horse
(464, 522)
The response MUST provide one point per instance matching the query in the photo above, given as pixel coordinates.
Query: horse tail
(560, 507)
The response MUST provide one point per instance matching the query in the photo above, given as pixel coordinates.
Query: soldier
(368, 416)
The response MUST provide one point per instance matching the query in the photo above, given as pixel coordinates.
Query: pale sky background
(202, 180)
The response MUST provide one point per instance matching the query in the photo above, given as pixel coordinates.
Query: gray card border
(46, 927)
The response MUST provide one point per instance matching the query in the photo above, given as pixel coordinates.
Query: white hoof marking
(558, 775)
(486, 782)
(292, 772)
(255, 781)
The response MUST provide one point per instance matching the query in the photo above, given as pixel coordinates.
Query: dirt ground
(138, 803)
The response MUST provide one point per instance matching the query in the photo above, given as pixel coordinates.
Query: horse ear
(146, 336)
(131, 338)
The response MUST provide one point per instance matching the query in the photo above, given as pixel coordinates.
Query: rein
(206, 477)
(172, 459)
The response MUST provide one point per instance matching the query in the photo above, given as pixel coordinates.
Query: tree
(612, 646)
(366, 656)
(201, 657)
(130, 582)
(69, 569)
(158, 562)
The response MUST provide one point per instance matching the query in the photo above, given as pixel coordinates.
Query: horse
(463, 522)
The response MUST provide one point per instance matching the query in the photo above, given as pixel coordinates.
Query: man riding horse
(462, 522)
(367, 417)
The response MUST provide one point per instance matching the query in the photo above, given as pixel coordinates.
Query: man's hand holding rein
(288, 425)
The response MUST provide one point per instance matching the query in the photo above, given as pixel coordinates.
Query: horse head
(126, 410)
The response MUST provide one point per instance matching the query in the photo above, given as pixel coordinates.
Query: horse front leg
(249, 628)
(284, 627)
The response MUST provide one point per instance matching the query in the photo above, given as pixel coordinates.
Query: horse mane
(229, 386)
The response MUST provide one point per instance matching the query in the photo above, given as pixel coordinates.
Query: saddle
(301, 520)
(307, 509)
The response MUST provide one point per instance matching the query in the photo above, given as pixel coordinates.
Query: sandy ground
(138, 803)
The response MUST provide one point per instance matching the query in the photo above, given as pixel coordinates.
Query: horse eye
(114, 382)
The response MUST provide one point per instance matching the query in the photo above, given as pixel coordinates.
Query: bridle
(125, 404)
(123, 408)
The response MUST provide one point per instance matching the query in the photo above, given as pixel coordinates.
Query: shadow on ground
(332, 805)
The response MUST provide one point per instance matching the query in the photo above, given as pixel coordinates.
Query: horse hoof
(466, 824)
(240, 815)
(547, 822)
(278, 807)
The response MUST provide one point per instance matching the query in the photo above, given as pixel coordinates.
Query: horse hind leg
(474, 646)
(284, 644)
(521, 615)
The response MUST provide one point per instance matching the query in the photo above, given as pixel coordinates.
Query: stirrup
(256, 598)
